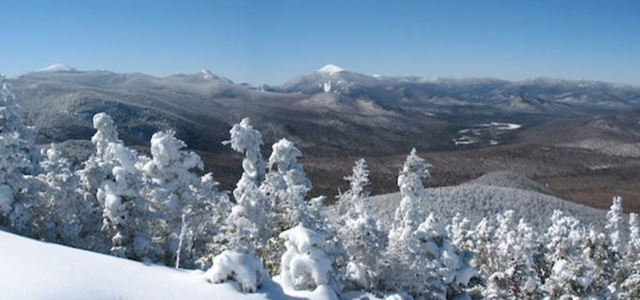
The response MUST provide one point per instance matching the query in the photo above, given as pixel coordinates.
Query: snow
(330, 69)
(464, 140)
(305, 265)
(36, 270)
(327, 86)
(243, 270)
(206, 74)
(56, 68)
(502, 125)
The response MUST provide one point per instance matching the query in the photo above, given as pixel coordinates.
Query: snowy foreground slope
(480, 201)
(37, 270)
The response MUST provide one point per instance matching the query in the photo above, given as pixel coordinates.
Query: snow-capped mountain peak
(206, 74)
(330, 69)
(58, 67)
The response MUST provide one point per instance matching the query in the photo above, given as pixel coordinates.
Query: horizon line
(375, 75)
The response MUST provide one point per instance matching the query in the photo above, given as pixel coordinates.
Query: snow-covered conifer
(364, 242)
(599, 260)
(410, 212)
(61, 211)
(247, 141)
(633, 246)
(119, 195)
(459, 232)
(285, 188)
(305, 264)
(99, 166)
(615, 226)
(617, 234)
(284, 159)
(362, 239)
(358, 180)
(482, 245)
(173, 190)
(630, 287)
(247, 229)
(516, 276)
(402, 270)
(18, 159)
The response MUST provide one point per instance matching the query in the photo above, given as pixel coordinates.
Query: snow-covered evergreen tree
(247, 228)
(615, 227)
(617, 235)
(211, 210)
(174, 192)
(305, 264)
(410, 212)
(99, 166)
(515, 276)
(246, 140)
(421, 260)
(61, 212)
(633, 247)
(599, 260)
(401, 269)
(358, 180)
(287, 183)
(567, 263)
(285, 187)
(362, 238)
(460, 233)
(123, 206)
(630, 287)
(18, 160)
(482, 245)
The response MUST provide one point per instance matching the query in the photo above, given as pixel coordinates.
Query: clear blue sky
(272, 41)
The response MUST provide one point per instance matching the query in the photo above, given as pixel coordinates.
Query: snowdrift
(33, 270)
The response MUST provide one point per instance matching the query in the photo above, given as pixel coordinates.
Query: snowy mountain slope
(479, 201)
(33, 270)
(510, 179)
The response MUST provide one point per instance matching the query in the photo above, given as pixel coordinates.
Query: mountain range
(335, 113)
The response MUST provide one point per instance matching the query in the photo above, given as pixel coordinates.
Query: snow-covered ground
(502, 125)
(33, 270)
(483, 200)
(474, 134)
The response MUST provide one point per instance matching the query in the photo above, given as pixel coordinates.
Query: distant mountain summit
(330, 69)
(206, 74)
(210, 76)
(56, 68)
(329, 78)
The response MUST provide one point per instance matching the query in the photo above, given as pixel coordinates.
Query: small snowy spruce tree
(360, 234)
(400, 268)
(305, 264)
(285, 188)
(409, 213)
(630, 288)
(246, 228)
